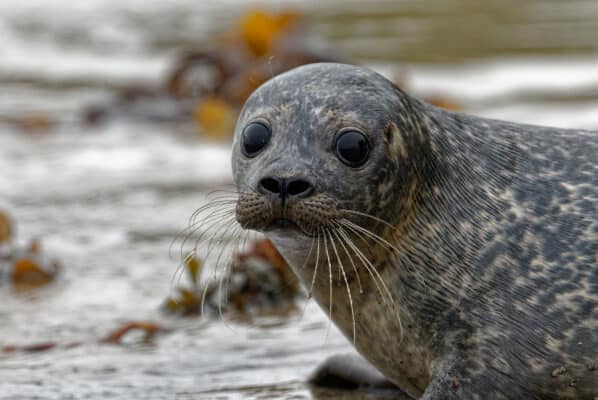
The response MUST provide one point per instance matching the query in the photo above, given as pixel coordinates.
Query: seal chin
(289, 239)
(282, 223)
(284, 227)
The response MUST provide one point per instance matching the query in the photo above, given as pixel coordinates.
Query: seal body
(461, 258)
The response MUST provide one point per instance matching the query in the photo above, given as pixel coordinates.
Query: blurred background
(116, 119)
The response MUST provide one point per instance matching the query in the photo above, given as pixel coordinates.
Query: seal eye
(352, 148)
(255, 137)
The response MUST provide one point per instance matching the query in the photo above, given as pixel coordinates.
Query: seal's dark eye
(352, 148)
(255, 137)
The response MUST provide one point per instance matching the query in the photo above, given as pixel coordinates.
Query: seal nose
(285, 188)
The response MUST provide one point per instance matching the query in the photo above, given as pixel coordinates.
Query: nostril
(299, 188)
(284, 188)
(271, 185)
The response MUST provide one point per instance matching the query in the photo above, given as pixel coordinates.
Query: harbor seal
(458, 254)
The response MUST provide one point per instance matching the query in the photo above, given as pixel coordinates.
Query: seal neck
(461, 184)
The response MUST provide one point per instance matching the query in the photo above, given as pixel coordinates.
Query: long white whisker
(227, 224)
(212, 204)
(365, 262)
(190, 228)
(207, 224)
(341, 241)
(311, 246)
(362, 214)
(340, 264)
(329, 285)
(385, 243)
(313, 279)
(369, 233)
(178, 274)
(225, 227)
(372, 268)
(237, 233)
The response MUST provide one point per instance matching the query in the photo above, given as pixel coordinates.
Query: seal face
(459, 254)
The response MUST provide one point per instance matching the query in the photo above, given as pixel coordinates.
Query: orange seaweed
(6, 229)
(27, 272)
(215, 118)
(33, 122)
(149, 328)
(260, 30)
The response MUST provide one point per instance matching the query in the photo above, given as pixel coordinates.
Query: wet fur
(492, 267)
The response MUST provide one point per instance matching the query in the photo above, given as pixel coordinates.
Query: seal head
(319, 117)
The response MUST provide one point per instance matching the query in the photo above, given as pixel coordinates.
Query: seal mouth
(282, 223)
(308, 216)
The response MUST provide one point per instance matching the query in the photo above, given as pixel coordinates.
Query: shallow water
(108, 201)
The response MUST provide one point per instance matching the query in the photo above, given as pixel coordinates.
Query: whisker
(222, 208)
(209, 222)
(371, 268)
(366, 263)
(236, 234)
(226, 226)
(330, 283)
(220, 233)
(359, 252)
(224, 190)
(311, 246)
(342, 269)
(373, 217)
(369, 233)
(390, 246)
(244, 237)
(236, 231)
(178, 274)
(313, 279)
(225, 222)
(191, 228)
(340, 239)
(206, 222)
(221, 225)
(213, 203)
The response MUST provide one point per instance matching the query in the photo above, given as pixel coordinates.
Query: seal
(458, 254)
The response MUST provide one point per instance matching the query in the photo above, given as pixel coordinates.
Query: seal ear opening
(396, 145)
(388, 134)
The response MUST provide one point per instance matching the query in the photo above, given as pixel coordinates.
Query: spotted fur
(493, 270)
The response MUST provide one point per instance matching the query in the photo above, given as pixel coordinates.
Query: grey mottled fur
(495, 277)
